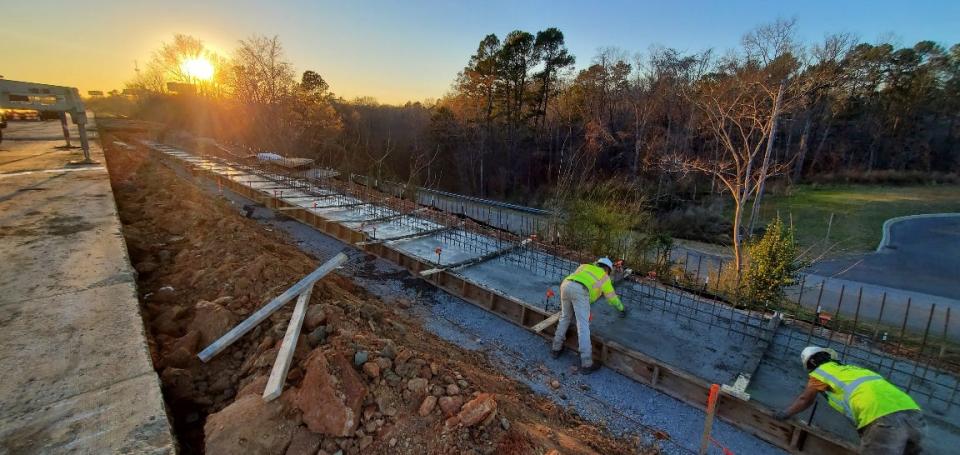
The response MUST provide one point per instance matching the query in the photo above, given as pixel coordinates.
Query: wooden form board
(747, 415)
(278, 375)
(477, 260)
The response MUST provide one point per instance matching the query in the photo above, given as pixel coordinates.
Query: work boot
(556, 354)
(590, 369)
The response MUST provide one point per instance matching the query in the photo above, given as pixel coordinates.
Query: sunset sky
(397, 51)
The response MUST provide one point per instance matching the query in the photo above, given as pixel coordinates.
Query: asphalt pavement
(921, 254)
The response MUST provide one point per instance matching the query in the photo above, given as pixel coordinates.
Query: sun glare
(197, 68)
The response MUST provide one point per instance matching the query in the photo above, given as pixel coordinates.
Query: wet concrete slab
(780, 378)
(455, 246)
(77, 375)
(399, 227)
(715, 355)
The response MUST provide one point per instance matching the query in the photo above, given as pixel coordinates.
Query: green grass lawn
(859, 211)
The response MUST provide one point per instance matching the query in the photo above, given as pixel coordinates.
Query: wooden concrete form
(752, 417)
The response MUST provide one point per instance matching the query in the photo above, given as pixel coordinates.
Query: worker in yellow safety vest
(577, 291)
(888, 420)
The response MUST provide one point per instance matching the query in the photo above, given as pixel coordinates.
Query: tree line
(522, 122)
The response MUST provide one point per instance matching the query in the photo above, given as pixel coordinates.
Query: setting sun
(198, 68)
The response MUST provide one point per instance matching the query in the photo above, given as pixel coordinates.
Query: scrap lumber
(476, 260)
(551, 320)
(278, 376)
(411, 236)
(265, 311)
(556, 316)
(708, 423)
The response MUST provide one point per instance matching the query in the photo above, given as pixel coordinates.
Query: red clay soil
(366, 377)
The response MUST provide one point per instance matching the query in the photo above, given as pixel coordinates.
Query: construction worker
(577, 292)
(888, 420)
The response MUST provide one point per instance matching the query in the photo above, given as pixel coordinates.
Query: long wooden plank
(476, 260)
(278, 376)
(546, 322)
(410, 236)
(265, 311)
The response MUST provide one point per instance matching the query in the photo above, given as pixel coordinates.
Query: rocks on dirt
(389, 350)
(178, 383)
(318, 336)
(372, 370)
(163, 295)
(450, 405)
(418, 386)
(304, 442)
(254, 387)
(360, 357)
(211, 321)
(314, 318)
(330, 395)
(426, 407)
(477, 410)
(250, 425)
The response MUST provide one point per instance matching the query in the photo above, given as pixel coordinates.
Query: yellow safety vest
(597, 282)
(860, 394)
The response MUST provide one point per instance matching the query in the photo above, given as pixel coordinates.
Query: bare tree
(736, 110)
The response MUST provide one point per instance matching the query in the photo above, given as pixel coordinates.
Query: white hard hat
(605, 261)
(809, 351)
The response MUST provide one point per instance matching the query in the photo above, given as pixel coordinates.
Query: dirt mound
(366, 378)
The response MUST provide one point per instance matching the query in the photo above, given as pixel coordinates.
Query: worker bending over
(577, 292)
(888, 420)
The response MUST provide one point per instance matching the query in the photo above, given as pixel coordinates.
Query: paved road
(884, 288)
(922, 255)
(75, 372)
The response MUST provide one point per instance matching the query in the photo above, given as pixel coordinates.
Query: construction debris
(268, 309)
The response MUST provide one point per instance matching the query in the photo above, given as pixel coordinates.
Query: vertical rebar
(946, 324)
(803, 282)
(883, 304)
(699, 263)
(816, 316)
(836, 315)
(853, 331)
(716, 285)
(903, 328)
(923, 345)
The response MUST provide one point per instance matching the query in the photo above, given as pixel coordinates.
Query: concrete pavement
(75, 371)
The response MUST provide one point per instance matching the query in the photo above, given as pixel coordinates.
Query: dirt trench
(366, 377)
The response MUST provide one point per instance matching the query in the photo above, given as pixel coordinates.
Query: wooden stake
(711, 413)
(278, 376)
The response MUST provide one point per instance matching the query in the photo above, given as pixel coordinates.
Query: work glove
(781, 415)
(623, 313)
